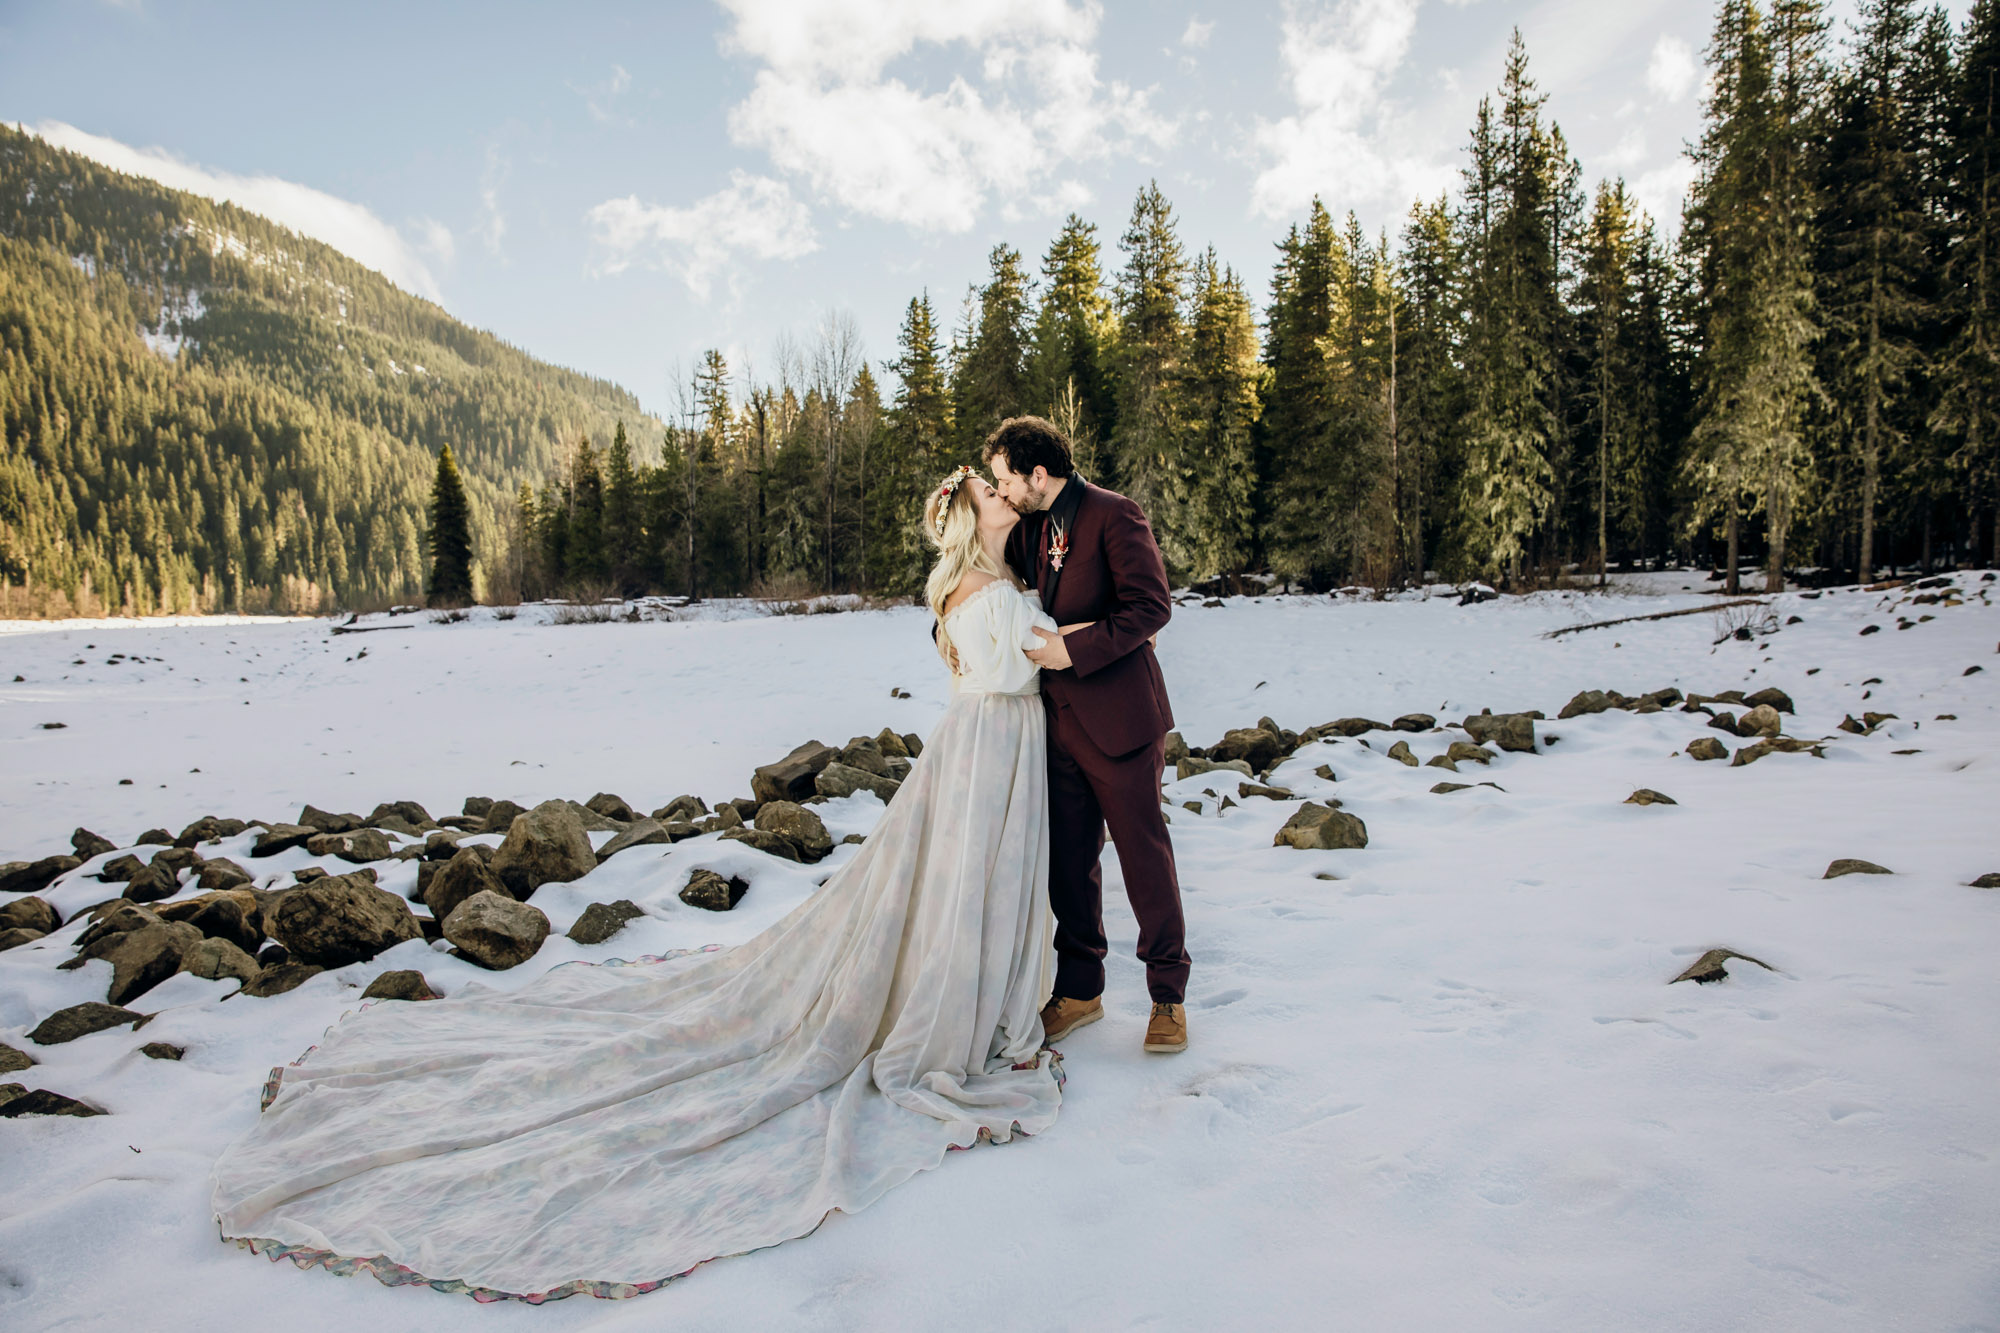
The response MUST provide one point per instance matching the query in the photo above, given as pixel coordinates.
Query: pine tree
(1151, 333)
(450, 536)
(1429, 386)
(587, 562)
(1968, 407)
(1606, 297)
(917, 427)
(1294, 435)
(624, 528)
(1073, 342)
(990, 380)
(1211, 486)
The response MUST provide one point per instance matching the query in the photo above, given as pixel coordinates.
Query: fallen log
(1657, 615)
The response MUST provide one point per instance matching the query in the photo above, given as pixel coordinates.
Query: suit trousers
(1089, 790)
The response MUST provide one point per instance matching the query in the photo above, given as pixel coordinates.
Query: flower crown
(951, 484)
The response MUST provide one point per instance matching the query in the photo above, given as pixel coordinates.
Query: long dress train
(607, 1128)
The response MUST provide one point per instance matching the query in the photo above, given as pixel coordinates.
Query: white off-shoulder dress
(607, 1128)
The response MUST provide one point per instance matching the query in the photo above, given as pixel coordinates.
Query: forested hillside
(206, 411)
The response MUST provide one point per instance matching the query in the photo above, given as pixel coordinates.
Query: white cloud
(600, 98)
(1663, 190)
(1671, 72)
(753, 215)
(1338, 62)
(1027, 102)
(1197, 32)
(493, 223)
(346, 226)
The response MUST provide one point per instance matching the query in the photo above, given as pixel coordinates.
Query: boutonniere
(1058, 544)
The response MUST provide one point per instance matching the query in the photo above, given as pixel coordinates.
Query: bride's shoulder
(975, 581)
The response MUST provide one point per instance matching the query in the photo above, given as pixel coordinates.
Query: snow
(1447, 1087)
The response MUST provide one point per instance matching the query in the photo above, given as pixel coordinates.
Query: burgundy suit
(1108, 720)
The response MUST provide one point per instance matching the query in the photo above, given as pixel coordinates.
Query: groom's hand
(1052, 655)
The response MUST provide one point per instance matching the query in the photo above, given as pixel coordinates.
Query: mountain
(205, 411)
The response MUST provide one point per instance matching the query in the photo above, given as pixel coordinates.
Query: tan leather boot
(1167, 1030)
(1060, 1016)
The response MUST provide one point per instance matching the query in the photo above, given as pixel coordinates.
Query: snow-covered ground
(1438, 1083)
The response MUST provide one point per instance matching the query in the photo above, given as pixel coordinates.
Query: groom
(1091, 553)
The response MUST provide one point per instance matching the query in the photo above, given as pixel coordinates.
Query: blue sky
(618, 187)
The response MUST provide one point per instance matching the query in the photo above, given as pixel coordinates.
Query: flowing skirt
(605, 1129)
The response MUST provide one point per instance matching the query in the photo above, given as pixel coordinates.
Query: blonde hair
(960, 552)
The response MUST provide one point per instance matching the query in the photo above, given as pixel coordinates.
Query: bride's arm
(1086, 624)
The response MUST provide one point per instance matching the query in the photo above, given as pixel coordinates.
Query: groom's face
(1028, 494)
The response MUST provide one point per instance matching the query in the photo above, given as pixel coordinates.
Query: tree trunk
(1735, 536)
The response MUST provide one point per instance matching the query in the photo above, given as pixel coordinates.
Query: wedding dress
(609, 1127)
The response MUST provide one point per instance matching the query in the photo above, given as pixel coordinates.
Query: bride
(608, 1128)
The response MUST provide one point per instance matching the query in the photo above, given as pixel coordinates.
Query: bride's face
(995, 514)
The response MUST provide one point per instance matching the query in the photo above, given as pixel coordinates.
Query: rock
(1874, 720)
(679, 830)
(1176, 749)
(1188, 768)
(863, 753)
(1848, 865)
(712, 893)
(1463, 751)
(140, 959)
(1400, 752)
(1707, 747)
(476, 806)
(914, 744)
(791, 778)
(396, 824)
(207, 829)
(1763, 720)
(900, 769)
(1647, 796)
(9, 1091)
(408, 811)
(88, 844)
(174, 860)
(43, 1102)
(217, 959)
(277, 980)
(307, 874)
(325, 821)
(1587, 701)
(1255, 746)
(726, 817)
(13, 1061)
(1990, 880)
(154, 836)
(891, 745)
(29, 913)
(611, 807)
(13, 937)
(222, 873)
(592, 821)
(118, 916)
(1770, 698)
(1325, 773)
(495, 931)
(500, 817)
(272, 955)
(1708, 968)
(645, 831)
(1414, 722)
(839, 779)
(281, 838)
(162, 1050)
(684, 808)
(600, 921)
(34, 876)
(403, 983)
(763, 841)
(545, 845)
(355, 846)
(1509, 731)
(1269, 793)
(442, 844)
(120, 869)
(342, 919)
(1348, 726)
(223, 916)
(1750, 754)
(80, 1020)
(150, 884)
(1439, 789)
(1321, 826)
(458, 879)
(798, 826)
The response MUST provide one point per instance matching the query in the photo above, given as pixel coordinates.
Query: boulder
(140, 959)
(217, 959)
(111, 918)
(326, 821)
(500, 817)
(281, 838)
(174, 860)
(272, 955)
(1444, 761)
(208, 829)
(30, 913)
(791, 778)
(442, 844)
(162, 1050)
(342, 919)
(891, 745)
(222, 873)
(13, 937)
(686, 808)
(1763, 720)
(643, 832)
(1587, 701)
(43, 1102)
(1255, 746)
(1770, 698)
(1321, 826)
(279, 979)
(726, 817)
(863, 753)
(149, 884)
(900, 769)
(476, 806)
(152, 836)
(1723, 721)
(1188, 768)
(1647, 796)
(1176, 749)
(80, 1020)
(611, 807)
(1989, 880)
(1400, 752)
(12, 1061)
(798, 826)
(1462, 751)
(403, 983)
(120, 869)
(600, 921)
(87, 844)
(545, 845)
(496, 931)
(1707, 747)
(235, 917)
(456, 880)
(1708, 968)
(1414, 722)
(398, 824)
(409, 812)
(34, 876)
(764, 841)
(712, 893)
(1750, 754)
(1874, 720)
(307, 874)
(679, 830)
(1509, 731)
(1848, 865)
(1441, 788)
(1350, 726)
(355, 846)
(839, 779)
(1269, 793)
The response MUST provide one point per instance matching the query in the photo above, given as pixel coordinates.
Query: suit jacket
(1113, 575)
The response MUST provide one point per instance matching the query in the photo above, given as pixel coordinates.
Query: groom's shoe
(1167, 1031)
(1060, 1016)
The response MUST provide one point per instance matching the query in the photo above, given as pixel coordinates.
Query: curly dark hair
(1029, 443)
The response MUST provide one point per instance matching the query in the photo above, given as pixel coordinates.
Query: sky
(618, 187)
